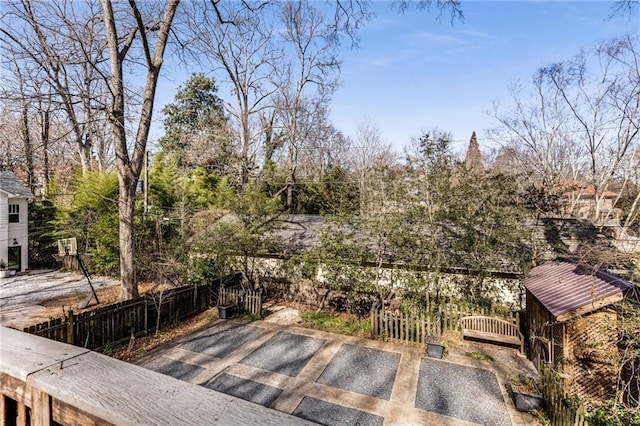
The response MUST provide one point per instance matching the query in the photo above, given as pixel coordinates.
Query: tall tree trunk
(246, 140)
(44, 141)
(126, 209)
(130, 166)
(27, 146)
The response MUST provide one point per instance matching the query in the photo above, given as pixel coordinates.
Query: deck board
(22, 354)
(121, 393)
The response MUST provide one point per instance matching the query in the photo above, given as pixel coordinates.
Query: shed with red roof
(572, 324)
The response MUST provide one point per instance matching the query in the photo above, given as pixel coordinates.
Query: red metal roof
(567, 289)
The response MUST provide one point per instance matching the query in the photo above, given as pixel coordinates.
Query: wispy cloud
(437, 40)
(397, 57)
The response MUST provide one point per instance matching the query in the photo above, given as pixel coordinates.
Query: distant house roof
(568, 290)
(12, 186)
(300, 232)
(587, 190)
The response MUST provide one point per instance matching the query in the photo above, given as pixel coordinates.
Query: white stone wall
(507, 292)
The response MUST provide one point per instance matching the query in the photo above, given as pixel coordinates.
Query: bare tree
(370, 152)
(312, 75)
(602, 93)
(65, 42)
(325, 147)
(237, 39)
(537, 130)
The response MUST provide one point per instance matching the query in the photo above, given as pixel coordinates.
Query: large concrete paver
(362, 370)
(460, 391)
(285, 353)
(399, 371)
(245, 389)
(327, 413)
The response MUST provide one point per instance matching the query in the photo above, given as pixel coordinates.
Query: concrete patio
(334, 379)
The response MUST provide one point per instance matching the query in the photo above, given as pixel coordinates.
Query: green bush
(91, 216)
(613, 414)
(337, 324)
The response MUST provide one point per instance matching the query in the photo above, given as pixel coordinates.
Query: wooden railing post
(40, 408)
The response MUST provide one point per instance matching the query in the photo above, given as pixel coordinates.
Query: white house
(14, 223)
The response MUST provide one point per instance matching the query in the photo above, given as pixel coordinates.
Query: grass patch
(479, 356)
(341, 324)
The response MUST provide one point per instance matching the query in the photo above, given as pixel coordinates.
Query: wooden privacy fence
(247, 301)
(562, 409)
(118, 322)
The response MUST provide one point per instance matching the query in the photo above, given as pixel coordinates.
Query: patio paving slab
(285, 353)
(176, 369)
(330, 414)
(363, 370)
(223, 340)
(467, 393)
(245, 389)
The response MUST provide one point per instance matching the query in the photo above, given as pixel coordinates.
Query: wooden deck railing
(44, 382)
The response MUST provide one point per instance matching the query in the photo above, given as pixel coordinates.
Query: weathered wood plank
(21, 419)
(492, 336)
(124, 394)
(41, 407)
(67, 379)
(15, 389)
(69, 415)
(22, 354)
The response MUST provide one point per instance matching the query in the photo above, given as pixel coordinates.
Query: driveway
(333, 379)
(22, 296)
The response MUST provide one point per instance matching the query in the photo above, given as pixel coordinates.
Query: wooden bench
(492, 329)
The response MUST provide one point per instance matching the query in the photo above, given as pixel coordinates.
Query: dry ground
(107, 295)
(35, 297)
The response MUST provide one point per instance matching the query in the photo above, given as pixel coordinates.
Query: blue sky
(412, 73)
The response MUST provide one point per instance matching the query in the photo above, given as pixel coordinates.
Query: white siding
(18, 231)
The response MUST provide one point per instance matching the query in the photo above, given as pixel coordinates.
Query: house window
(14, 213)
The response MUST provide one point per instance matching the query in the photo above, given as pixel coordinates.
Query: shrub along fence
(416, 327)
(561, 408)
(119, 322)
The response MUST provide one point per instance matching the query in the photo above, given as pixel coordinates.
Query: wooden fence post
(146, 315)
(70, 327)
(371, 314)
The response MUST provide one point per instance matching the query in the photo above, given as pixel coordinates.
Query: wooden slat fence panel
(116, 323)
(403, 327)
(249, 302)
